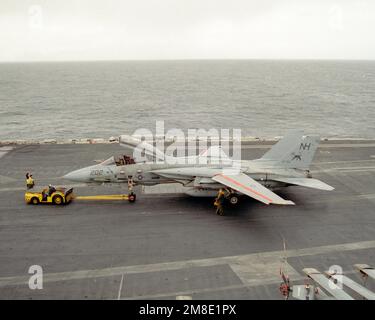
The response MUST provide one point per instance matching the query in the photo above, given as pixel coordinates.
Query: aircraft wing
(306, 182)
(246, 185)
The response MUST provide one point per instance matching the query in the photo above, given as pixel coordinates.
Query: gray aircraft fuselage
(142, 173)
(285, 163)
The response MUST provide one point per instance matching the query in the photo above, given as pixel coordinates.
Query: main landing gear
(223, 196)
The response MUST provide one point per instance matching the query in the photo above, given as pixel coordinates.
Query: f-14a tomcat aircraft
(285, 164)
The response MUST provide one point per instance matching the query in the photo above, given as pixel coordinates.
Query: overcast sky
(37, 30)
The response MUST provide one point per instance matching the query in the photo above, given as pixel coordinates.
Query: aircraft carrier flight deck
(166, 245)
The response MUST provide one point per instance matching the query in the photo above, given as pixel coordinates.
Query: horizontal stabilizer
(306, 182)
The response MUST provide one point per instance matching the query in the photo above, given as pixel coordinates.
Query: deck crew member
(51, 189)
(219, 202)
(29, 181)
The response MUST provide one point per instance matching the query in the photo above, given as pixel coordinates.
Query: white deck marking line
(355, 168)
(5, 150)
(189, 292)
(345, 170)
(343, 161)
(261, 282)
(120, 288)
(252, 272)
(328, 145)
(340, 198)
(262, 257)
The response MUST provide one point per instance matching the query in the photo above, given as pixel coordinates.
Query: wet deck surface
(169, 245)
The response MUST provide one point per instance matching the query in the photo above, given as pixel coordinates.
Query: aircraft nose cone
(80, 175)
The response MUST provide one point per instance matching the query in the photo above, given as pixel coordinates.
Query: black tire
(233, 199)
(34, 201)
(132, 198)
(58, 200)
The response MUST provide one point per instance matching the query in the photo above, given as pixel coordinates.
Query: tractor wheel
(57, 200)
(34, 201)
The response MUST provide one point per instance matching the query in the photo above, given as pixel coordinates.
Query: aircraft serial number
(96, 173)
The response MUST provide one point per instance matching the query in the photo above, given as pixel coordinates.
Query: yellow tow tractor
(59, 196)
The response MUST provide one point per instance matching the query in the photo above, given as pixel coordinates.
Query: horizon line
(187, 59)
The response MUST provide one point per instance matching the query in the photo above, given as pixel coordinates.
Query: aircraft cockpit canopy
(121, 160)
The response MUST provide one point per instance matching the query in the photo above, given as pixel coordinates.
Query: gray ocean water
(263, 98)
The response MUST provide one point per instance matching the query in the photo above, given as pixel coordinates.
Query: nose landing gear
(132, 196)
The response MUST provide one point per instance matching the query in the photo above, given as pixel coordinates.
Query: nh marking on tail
(305, 146)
